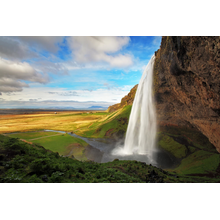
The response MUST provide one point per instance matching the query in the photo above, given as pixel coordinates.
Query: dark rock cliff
(187, 84)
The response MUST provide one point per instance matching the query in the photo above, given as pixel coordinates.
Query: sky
(71, 72)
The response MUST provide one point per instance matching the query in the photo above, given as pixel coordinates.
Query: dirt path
(44, 137)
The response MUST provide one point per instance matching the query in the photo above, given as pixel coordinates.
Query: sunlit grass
(64, 144)
(64, 121)
(32, 135)
(110, 123)
(59, 143)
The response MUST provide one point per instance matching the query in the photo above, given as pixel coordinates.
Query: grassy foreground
(23, 162)
(197, 158)
(63, 144)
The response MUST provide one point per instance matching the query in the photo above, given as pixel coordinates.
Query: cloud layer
(47, 43)
(13, 49)
(100, 49)
(67, 93)
(12, 72)
(22, 58)
(34, 103)
(46, 71)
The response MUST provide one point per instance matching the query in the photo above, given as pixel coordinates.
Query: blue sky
(77, 72)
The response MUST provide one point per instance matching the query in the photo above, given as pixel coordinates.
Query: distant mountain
(97, 107)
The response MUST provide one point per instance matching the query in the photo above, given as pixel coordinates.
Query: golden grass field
(63, 121)
(30, 127)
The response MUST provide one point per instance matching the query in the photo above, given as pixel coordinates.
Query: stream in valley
(162, 159)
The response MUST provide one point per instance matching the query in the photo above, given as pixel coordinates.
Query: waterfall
(141, 132)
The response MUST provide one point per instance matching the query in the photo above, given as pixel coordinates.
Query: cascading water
(141, 132)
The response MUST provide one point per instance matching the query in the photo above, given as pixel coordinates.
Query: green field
(32, 135)
(64, 144)
(31, 163)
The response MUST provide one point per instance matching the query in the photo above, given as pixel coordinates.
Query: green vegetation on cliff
(113, 125)
(199, 157)
(200, 162)
(175, 148)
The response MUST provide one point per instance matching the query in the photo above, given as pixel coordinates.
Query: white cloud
(12, 72)
(119, 61)
(62, 94)
(19, 70)
(66, 93)
(47, 43)
(11, 48)
(32, 103)
(87, 50)
(19, 48)
(50, 67)
(9, 85)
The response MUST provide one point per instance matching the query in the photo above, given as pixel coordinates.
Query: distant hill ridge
(127, 100)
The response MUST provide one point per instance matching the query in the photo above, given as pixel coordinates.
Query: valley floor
(196, 160)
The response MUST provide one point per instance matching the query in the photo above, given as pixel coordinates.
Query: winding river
(106, 146)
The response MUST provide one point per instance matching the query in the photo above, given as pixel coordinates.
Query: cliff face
(127, 100)
(187, 84)
(186, 87)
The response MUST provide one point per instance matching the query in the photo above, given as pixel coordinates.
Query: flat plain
(30, 127)
(63, 121)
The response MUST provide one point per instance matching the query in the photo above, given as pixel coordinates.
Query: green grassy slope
(23, 162)
(114, 125)
(59, 143)
(32, 135)
(198, 156)
(64, 144)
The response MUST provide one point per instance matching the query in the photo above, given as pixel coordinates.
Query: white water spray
(141, 131)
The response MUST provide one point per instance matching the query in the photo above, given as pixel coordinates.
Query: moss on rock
(176, 149)
(200, 162)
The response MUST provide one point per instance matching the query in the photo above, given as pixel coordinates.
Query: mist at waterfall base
(141, 132)
(140, 140)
